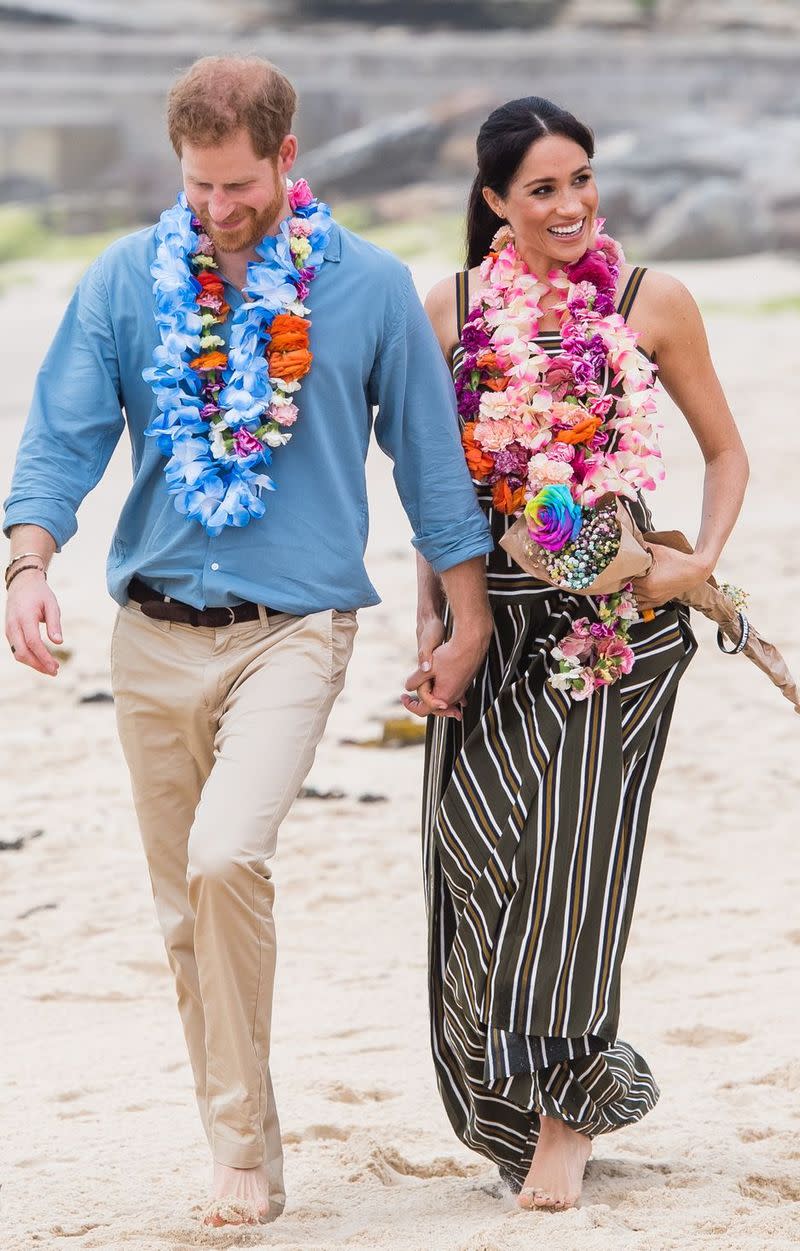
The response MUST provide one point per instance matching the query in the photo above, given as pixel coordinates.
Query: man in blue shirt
(238, 591)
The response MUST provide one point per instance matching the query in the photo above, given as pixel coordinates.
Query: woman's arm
(431, 598)
(688, 375)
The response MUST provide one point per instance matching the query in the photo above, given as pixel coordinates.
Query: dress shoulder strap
(631, 289)
(462, 298)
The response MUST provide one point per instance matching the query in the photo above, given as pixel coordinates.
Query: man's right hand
(31, 604)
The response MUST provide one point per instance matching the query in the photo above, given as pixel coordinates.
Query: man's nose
(219, 206)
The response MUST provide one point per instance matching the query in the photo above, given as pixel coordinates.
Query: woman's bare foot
(555, 1177)
(241, 1196)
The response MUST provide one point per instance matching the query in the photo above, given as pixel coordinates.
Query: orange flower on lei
(582, 432)
(479, 463)
(505, 500)
(209, 361)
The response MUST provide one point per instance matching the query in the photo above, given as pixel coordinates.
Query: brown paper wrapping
(633, 560)
(713, 603)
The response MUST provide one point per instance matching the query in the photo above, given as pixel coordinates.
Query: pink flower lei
(552, 434)
(513, 395)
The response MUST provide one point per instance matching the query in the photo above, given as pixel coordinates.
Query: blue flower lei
(218, 429)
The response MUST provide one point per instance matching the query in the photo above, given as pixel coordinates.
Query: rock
(16, 844)
(47, 907)
(714, 219)
(310, 792)
(392, 152)
(397, 732)
(61, 654)
(469, 14)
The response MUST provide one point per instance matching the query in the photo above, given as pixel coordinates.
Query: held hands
(445, 670)
(672, 574)
(30, 604)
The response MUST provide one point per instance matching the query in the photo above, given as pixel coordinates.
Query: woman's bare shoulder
(663, 306)
(665, 292)
(441, 296)
(442, 309)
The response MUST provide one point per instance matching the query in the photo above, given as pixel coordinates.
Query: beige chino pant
(219, 728)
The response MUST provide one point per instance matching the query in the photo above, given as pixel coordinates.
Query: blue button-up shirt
(372, 346)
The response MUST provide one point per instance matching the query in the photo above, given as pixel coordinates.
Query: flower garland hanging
(533, 420)
(560, 437)
(221, 413)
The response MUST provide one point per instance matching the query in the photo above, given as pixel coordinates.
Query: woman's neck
(537, 262)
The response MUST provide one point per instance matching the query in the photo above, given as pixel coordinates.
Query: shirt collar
(333, 248)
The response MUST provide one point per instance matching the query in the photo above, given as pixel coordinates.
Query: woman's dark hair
(503, 140)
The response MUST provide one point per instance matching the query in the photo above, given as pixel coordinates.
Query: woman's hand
(672, 574)
(430, 635)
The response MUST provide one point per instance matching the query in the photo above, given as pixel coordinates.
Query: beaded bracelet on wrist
(22, 569)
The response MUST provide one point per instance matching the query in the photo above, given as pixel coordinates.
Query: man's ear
(287, 154)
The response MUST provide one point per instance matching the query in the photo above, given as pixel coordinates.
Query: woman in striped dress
(536, 804)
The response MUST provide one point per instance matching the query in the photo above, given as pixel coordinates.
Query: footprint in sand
(150, 967)
(613, 1182)
(372, 1160)
(316, 1133)
(58, 1231)
(771, 1190)
(338, 1092)
(73, 996)
(705, 1036)
(787, 1077)
(755, 1135)
(175, 1067)
(69, 1096)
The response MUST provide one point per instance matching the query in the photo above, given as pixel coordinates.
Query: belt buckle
(232, 613)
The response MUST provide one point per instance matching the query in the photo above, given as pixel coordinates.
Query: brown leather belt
(156, 605)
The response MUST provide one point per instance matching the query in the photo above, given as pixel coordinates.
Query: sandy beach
(101, 1146)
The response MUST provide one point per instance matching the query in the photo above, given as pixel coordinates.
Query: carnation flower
(594, 268)
(474, 335)
(494, 435)
(511, 462)
(583, 683)
(544, 470)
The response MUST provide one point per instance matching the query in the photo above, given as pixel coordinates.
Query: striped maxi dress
(534, 817)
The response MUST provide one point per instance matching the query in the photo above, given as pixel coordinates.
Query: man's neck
(233, 265)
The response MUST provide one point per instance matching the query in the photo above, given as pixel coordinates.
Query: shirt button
(214, 566)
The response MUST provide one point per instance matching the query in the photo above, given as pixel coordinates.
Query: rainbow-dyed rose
(554, 519)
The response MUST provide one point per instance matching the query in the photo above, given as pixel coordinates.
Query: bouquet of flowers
(589, 551)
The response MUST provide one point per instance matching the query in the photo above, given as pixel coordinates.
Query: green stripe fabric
(534, 818)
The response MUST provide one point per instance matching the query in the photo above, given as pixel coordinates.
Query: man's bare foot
(555, 1177)
(241, 1196)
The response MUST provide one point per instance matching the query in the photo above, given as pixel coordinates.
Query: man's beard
(252, 230)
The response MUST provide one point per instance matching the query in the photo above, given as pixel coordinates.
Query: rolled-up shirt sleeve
(75, 419)
(417, 426)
